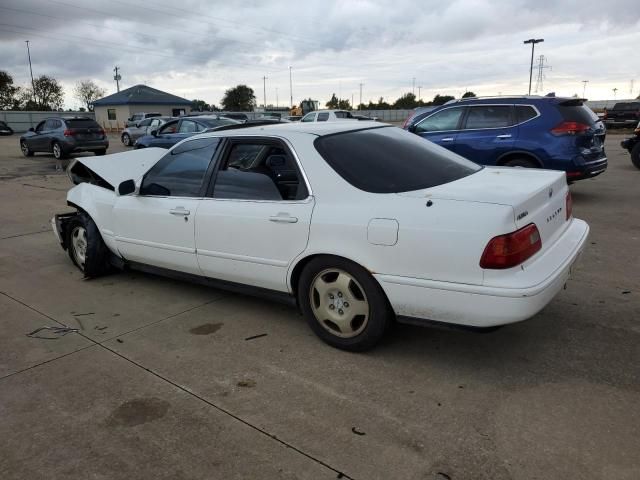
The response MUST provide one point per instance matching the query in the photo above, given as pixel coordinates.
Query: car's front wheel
(635, 155)
(86, 247)
(343, 303)
(26, 151)
(126, 139)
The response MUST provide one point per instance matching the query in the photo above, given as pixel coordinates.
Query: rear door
(488, 132)
(256, 217)
(441, 127)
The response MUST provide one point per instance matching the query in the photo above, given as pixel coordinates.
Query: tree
(441, 99)
(240, 98)
(8, 92)
(49, 95)
(469, 95)
(200, 106)
(333, 102)
(408, 100)
(88, 92)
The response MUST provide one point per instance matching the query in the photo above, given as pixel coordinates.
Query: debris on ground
(56, 331)
(256, 336)
(357, 432)
(246, 383)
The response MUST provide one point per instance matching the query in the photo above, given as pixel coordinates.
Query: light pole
(290, 86)
(360, 96)
(533, 42)
(419, 95)
(615, 90)
(264, 93)
(277, 102)
(413, 86)
(33, 84)
(584, 87)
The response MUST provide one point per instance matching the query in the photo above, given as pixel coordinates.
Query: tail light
(568, 205)
(406, 121)
(569, 128)
(506, 251)
(101, 132)
(69, 132)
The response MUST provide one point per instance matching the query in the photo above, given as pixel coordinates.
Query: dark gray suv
(63, 136)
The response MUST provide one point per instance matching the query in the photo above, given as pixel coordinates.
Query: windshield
(391, 160)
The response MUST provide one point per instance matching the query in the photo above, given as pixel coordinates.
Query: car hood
(118, 167)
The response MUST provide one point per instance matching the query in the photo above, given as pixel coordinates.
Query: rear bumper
(588, 169)
(85, 146)
(485, 306)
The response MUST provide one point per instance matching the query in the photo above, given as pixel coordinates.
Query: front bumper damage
(59, 225)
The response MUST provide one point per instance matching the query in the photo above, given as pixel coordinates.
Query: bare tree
(88, 92)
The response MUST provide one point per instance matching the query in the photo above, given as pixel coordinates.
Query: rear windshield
(582, 114)
(391, 160)
(217, 122)
(627, 106)
(81, 123)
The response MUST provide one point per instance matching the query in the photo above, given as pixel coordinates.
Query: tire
(26, 151)
(126, 139)
(635, 155)
(58, 152)
(86, 247)
(521, 162)
(100, 152)
(343, 304)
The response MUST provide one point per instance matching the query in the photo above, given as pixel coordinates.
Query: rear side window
(524, 113)
(340, 115)
(391, 160)
(81, 123)
(578, 113)
(181, 171)
(489, 116)
(323, 117)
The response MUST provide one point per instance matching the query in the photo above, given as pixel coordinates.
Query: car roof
(313, 128)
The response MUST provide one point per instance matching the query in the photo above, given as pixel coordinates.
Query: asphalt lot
(163, 382)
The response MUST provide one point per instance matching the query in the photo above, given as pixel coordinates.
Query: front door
(441, 127)
(156, 226)
(256, 218)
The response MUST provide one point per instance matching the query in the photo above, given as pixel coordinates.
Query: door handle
(506, 135)
(283, 218)
(179, 211)
(448, 139)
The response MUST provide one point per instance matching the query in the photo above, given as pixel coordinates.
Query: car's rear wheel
(126, 139)
(343, 303)
(100, 152)
(58, 153)
(26, 151)
(86, 247)
(635, 155)
(521, 162)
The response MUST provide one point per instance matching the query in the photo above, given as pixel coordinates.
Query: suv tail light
(568, 205)
(69, 132)
(506, 251)
(569, 128)
(406, 121)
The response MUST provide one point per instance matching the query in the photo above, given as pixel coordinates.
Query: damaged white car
(360, 224)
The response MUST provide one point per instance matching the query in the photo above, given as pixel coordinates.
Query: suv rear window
(81, 123)
(391, 160)
(578, 113)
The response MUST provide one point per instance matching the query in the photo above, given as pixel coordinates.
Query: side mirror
(412, 128)
(31, 129)
(154, 133)
(127, 187)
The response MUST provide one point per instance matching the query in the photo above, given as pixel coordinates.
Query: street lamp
(533, 42)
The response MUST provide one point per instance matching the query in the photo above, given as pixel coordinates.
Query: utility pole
(631, 88)
(419, 95)
(33, 84)
(290, 86)
(360, 96)
(264, 92)
(533, 42)
(584, 87)
(352, 101)
(615, 90)
(117, 77)
(413, 88)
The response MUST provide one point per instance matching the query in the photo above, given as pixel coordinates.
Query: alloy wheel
(79, 245)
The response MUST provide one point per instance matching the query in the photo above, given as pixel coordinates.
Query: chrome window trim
(538, 114)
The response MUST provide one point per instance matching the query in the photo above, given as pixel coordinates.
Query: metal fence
(21, 121)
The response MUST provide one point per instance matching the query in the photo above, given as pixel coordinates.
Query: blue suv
(525, 131)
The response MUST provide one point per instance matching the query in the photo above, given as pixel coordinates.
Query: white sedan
(362, 224)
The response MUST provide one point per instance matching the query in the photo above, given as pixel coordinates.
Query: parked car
(143, 127)
(64, 136)
(527, 131)
(623, 114)
(175, 130)
(632, 144)
(241, 117)
(432, 237)
(5, 129)
(328, 116)
(137, 117)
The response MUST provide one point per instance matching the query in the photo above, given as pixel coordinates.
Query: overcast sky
(198, 48)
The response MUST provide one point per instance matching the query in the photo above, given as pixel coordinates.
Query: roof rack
(489, 97)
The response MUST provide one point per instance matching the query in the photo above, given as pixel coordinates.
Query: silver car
(142, 128)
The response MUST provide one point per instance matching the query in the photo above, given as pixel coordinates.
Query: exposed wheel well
(513, 155)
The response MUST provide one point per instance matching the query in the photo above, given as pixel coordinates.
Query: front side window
(391, 160)
(51, 124)
(145, 123)
(40, 126)
(309, 117)
(181, 171)
(187, 126)
(489, 116)
(447, 119)
(169, 127)
(259, 170)
(111, 113)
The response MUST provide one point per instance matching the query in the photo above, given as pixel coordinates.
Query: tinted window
(51, 124)
(578, 113)
(40, 126)
(187, 126)
(389, 160)
(259, 171)
(524, 113)
(169, 127)
(218, 122)
(181, 171)
(309, 118)
(627, 106)
(489, 116)
(145, 123)
(81, 123)
(340, 115)
(443, 120)
(323, 117)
